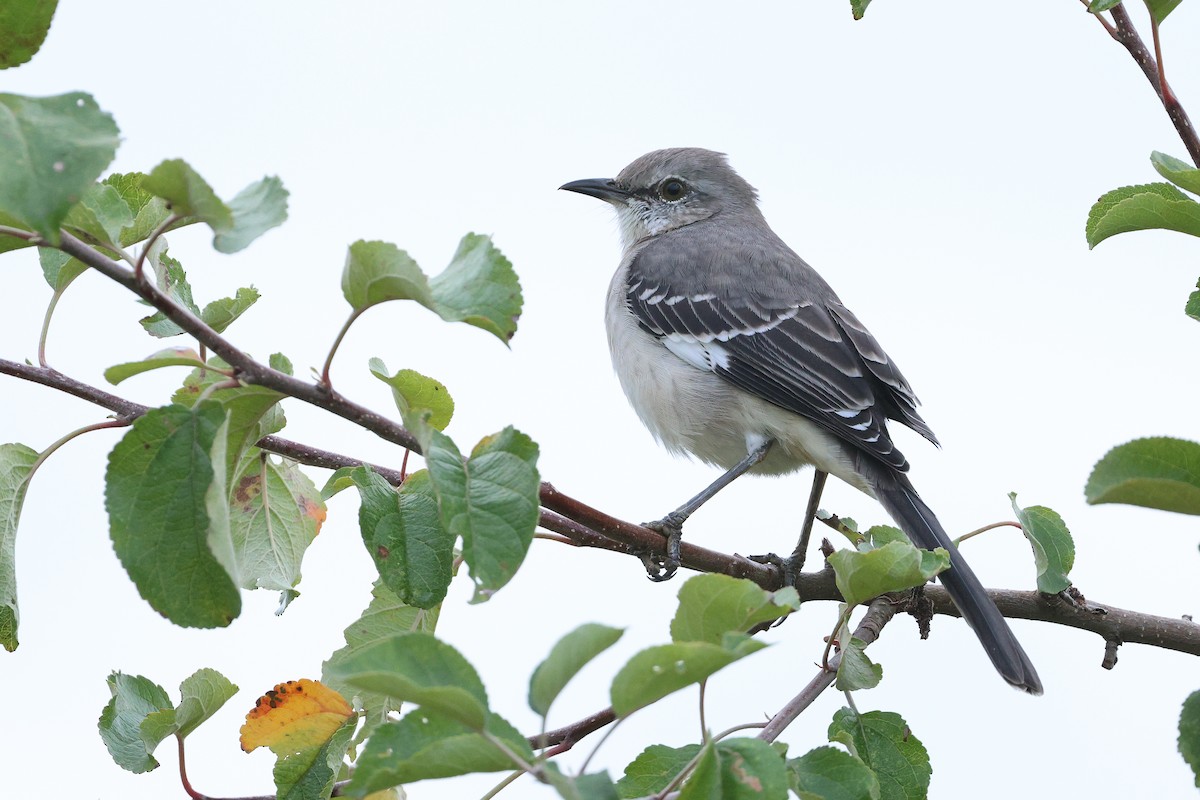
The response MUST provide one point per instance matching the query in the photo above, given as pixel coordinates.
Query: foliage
(200, 510)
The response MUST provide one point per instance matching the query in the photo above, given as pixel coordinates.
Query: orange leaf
(294, 716)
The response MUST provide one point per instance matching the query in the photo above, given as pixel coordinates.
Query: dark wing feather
(812, 358)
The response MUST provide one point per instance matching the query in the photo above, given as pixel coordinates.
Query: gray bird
(731, 348)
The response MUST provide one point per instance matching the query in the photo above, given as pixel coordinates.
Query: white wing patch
(707, 356)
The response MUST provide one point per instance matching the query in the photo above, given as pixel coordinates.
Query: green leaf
(311, 772)
(879, 535)
(100, 216)
(133, 699)
(1139, 208)
(751, 769)
(203, 693)
(859, 8)
(170, 357)
(172, 281)
(1192, 308)
(883, 740)
(414, 392)
(658, 671)
(1100, 6)
(155, 491)
(705, 781)
(1189, 733)
(23, 28)
(712, 605)
(188, 194)
(1053, 547)
(594, 786)
(385, 616)
(220, 314)
(149, 212)
(479, 288)
(1159, 9)
(832, 774)
(416, 667)
(404, 536)
(856, 671)
(56, 146)
(341, 478)
(1158, 472)
(16, 463)
(490, 500)
(1178, 172)
(891, 568)
(376, 272)
(255, 210)
(59, 269)
(276, 512)
(425, 744)
(569, 655)
(654, 768)
(252, 410)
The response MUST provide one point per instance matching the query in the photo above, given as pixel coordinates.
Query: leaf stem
(46, 327)
(232, 383)
(745, 726)
(503, 747)
(1127, 35)
(96, 426)
(985, 529)
(337, 343)
(154, 237)
(502, 785)
(183, 778)
(20, 233)
(604, 738)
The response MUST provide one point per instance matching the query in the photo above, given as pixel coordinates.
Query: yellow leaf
(294, 716)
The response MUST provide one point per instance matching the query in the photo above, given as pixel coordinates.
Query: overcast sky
(935, 162)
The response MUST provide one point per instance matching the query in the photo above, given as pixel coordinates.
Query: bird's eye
(672, 189)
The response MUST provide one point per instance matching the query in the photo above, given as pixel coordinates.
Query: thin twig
(879, 613)
(1128, 36)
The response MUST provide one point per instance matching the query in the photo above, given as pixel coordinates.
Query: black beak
(604, 188)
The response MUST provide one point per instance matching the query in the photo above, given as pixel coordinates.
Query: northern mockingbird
(731, 348)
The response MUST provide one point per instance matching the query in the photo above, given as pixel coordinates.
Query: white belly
(694, 411)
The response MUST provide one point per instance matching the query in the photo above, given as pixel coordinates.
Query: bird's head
(668, 189)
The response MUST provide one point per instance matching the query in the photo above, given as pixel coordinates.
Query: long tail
(898, 497)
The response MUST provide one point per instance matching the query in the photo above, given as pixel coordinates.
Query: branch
(590, 527)
(246, 369)
(1124, 32)
(879, 613)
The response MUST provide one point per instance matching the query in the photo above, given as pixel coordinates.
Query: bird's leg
(791, 566)
(671, 526)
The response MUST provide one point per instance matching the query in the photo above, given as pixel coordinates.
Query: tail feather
(917, 520)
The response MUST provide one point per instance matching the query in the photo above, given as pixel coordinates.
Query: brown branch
(1124, 32)
(879, 613)
(564, 738)
(590, 527)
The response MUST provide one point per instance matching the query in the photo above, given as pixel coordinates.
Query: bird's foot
(789, 568)
(663, 567)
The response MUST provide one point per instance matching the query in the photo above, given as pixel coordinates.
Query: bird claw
(789, 568)
(663, 568)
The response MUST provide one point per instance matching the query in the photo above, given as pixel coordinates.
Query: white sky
(936, 162)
